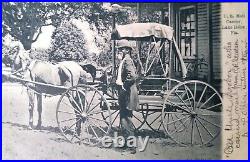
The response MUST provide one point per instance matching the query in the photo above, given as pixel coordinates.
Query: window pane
(188, 29)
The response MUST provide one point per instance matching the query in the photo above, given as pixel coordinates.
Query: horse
(66, 73)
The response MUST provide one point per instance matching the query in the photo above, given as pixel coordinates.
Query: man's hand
(123, 88)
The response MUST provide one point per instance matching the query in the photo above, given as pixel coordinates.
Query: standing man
(127, 90)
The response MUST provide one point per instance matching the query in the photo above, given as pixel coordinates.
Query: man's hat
(124, 44)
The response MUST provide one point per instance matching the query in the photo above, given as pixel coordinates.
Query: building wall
(216, 40)
(208, 39)
(203, 37)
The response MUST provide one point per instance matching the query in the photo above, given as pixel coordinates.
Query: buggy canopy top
(142, 32)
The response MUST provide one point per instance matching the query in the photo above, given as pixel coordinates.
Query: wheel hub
(84, 114)
(193, 114)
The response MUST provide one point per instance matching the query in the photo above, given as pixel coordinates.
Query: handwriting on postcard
(235, 76)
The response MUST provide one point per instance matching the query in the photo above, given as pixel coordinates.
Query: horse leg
(31, 96)
(39, 109)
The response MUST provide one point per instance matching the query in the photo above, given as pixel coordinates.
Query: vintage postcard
(104, 80)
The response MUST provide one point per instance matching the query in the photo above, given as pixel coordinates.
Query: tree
(24, 21)
(68, 43)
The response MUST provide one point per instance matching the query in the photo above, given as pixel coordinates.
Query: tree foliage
(24, 21)
(68, 43)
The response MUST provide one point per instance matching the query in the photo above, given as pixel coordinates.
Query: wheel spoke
(209, 122)
(182, 100)
(88, 106)
(192, 131)
(71, 126)
(178, 106)
(210, 114)
(75, 103)
(178, 120)
(93, 131)
(181, 113)
(176, 130)
(168, 121)
(68, 120)
(188, 94)
(203, 92)
(159, 126)
(205, 128)
(74, 135)
(94, 107)
(96, 118)
(115, 118)
(155, 119)
(208, 108)
(198, 129)
(207, 101)
(99, 127)
(110, 114)
(194, 95)
(96, 112)
(173, 120)
(114, 112)
(67, 112)
(73, 108)
(82, 108)
(162, 122)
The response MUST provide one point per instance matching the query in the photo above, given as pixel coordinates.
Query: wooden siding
(202, 37)
(216, 40)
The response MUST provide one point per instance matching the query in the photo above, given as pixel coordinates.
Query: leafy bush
(68, 43)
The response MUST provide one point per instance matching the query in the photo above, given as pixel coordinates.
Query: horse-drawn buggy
(187, 111)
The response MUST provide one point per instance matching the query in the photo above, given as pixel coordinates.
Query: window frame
(192, 56)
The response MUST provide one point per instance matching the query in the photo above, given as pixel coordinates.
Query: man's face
(122, 52)
(119, 56)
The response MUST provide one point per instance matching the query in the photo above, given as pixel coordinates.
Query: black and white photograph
(113, 80)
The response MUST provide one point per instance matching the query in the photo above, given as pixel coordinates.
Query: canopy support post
(113, 46)
(141, 70)
(179, 56)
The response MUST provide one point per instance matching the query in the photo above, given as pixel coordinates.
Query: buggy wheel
(154, 113)
(154, 121)
(138, 118)
(192, 113)
(79, 115)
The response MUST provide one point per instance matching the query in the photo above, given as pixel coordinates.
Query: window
(187, 33)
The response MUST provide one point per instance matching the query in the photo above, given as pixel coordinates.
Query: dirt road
(18, 142)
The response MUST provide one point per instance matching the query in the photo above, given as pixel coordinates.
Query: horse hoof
(30, 125)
